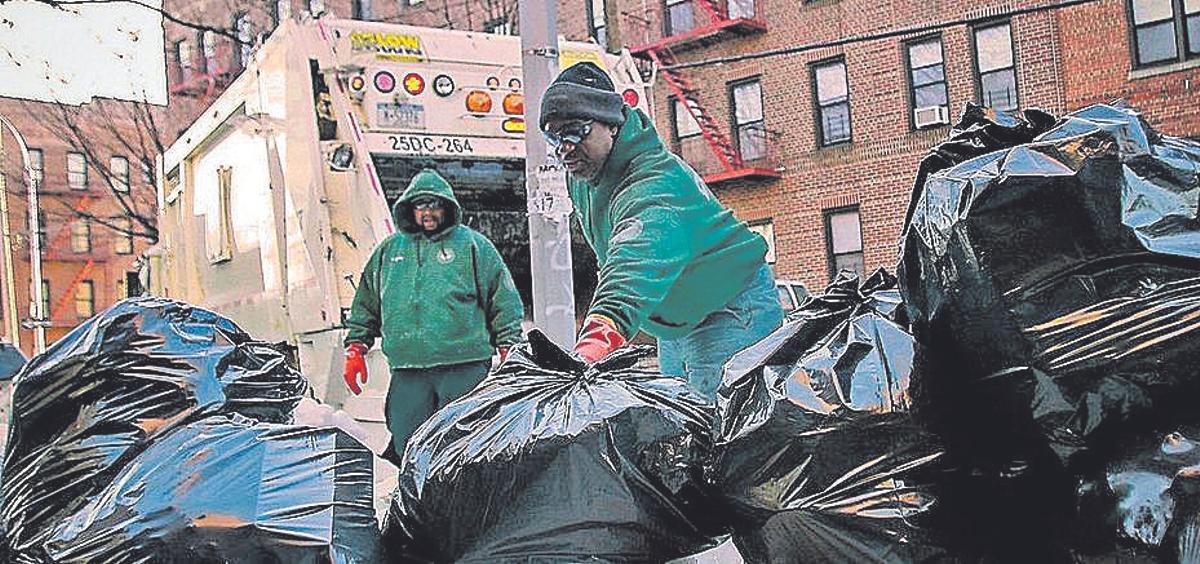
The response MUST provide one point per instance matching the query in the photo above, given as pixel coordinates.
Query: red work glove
(503, 353)
(356, 367)
(598, 338)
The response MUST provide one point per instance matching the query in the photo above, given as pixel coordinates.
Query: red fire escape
(53, 254)
(713, 25)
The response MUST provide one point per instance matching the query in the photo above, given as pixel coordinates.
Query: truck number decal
(424, 144)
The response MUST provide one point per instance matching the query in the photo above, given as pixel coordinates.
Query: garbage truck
(271, 201)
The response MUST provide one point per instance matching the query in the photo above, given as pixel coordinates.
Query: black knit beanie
(583, 91)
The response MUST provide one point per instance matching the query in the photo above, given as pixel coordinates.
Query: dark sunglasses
(573, 133)
(427, 205)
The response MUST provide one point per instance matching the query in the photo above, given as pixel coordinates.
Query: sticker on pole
(550, 199)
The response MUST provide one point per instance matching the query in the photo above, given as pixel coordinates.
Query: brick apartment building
(815, 146)
(91, 195)
(818, 148)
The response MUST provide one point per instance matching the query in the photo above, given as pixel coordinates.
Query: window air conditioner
(930, 116)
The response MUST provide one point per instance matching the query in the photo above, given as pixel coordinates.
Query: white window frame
(832, 242)
(81, 236)
(77, 171)
(826, 101)
(986, 98)
(85, 298)
(123, 241)
(118, 168)
(749, 121)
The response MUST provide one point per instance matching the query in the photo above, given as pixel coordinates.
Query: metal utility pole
(10, 284)
(37, 309)
(546, 181)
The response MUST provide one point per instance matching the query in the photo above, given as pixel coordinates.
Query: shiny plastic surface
(817, 457)
(1056, 283)
(550, 460)
(113, 447)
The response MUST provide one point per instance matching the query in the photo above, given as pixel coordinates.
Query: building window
(119, 168)
(598, 21)
(833, 102)
(843, 237)
(927, 78)
(316, 7)
(748, 125)
(42, 230)
(207, 40)
(77, 177)
(85, 298)
(498, 26)
(45, 299)
(686, 125)
(281, 11)
(679, 18)
(183, 59)
(996, 66)
(740, 9)
(224, 239)
(245, 37)
(123, 243)
(360, 10)
(81, 236)
(37, 166)
(1163, 29)
(766, 228)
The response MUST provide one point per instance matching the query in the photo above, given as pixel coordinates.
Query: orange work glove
(356, 367)
(597, 338)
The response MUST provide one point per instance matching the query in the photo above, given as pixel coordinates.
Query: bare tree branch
(230, 34)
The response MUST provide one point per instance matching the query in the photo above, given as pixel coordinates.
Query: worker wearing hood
(441, 299)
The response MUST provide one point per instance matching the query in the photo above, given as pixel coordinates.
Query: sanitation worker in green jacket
(442, 300)
(673, 261)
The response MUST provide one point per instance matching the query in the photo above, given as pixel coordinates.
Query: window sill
(1147, 72)
(835, 145)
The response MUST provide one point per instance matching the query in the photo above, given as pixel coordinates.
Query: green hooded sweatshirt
(436, 299)
(669, 253)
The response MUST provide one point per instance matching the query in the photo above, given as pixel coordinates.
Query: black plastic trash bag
(550, 461)
(1146, 499)
(1056, 286)
(816, 457)
(99, 395)
(230, 489)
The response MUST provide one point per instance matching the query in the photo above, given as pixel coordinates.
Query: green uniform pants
(415, 394)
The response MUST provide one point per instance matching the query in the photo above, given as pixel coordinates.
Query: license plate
(401, 116)
(431, 145)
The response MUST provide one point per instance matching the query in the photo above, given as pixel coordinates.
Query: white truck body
(264, 219)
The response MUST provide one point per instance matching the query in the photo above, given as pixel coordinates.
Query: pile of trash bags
(1051, 271)
(157, 431)
(817, 456)
(551, 460)
(1018, 392)
(1029, 398)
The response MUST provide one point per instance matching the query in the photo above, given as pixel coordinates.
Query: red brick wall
(1099, 68)
(1065, 60)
